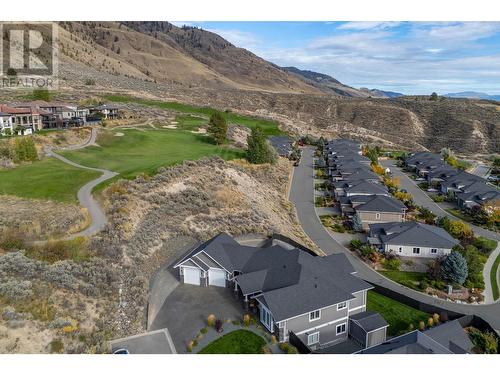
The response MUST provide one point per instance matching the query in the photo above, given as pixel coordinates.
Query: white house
(411, 239)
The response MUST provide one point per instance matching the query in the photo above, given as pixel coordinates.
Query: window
(314, 315)
(377, 216)
(434, 251)
(341, 305)
(341, 328)
(416, 250)
(313, 338)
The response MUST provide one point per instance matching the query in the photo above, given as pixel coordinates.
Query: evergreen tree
(454, 268)
(259, 150)
(434, 96)
(357, 224)
(217, 128)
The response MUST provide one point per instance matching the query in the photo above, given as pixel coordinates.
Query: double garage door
(216, 277)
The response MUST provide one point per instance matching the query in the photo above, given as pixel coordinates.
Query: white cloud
(239, 38)
(367, 25)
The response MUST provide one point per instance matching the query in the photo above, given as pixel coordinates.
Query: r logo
(29, 48)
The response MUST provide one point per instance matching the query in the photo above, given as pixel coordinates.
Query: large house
(411, 239)
(314, 299)
(24, 120)
(6, 124)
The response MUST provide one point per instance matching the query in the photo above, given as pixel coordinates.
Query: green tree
(259, 150)
(217, 128)
(454, 268)
(357, 224)
(434, 96)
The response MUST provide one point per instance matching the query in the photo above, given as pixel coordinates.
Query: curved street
(421, 198)
(302, 195)
(96, 212)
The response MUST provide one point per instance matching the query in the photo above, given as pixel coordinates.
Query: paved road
(422, 199)
(85, 198)
(301, 195)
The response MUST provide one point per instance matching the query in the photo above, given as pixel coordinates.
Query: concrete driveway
(186, 309)
(156, 342)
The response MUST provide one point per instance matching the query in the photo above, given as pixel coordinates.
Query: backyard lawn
(45, 179)
(236, 342)
(397, 314)
(409, 279)
(268, 127)
(145, 150)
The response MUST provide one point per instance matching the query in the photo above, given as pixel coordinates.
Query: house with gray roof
(377, 209)
(293, 290)
(446, 338)
(411, 239)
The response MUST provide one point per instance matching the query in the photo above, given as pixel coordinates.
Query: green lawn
(397, 314)
(144, 151)
(190, 122)
(493, 278)
(269, 127)
(409, 279)
(45, 179)
(236, 342)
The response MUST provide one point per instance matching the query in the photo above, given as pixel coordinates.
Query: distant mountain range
(331, 85)
(472, 95)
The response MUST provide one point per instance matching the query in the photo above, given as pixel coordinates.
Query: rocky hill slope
(162, 52)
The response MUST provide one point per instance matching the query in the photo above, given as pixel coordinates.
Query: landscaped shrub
(218, 325)
(421, 326)
(211, 320)
(203, 330)
(475, 264)
(25, 149)
(430, 322)
(484, 342)
(392, 264)
(288, 348)
(355, 244)
(438, 198)
(338, 228)
(56, 346)
(485, 245)
(435, 318)
(246, 320)
(366, 250)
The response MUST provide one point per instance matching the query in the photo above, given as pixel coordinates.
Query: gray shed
(368, 328)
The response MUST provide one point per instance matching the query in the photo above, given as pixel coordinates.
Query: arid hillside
(162, 52)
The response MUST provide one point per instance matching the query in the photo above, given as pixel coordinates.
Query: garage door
(191, 276)
(217, 278)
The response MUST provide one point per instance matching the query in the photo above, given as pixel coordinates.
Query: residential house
(422, 162)
(436, 176)
(24, 120)
(446, 338)
(377, 209)
(297, 294)
(108, 111)
(6, 124)
(366, 188)
(458, 182)
(411, 239)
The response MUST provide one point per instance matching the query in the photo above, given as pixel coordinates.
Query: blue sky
(408, 57)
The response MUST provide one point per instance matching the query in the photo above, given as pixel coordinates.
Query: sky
(406, 57)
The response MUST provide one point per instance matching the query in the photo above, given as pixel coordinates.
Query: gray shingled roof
(369, 320)
(449, 334)
(381, 203)
(412, 233)
(367, 188)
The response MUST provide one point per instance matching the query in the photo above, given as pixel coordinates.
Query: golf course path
(96, 212)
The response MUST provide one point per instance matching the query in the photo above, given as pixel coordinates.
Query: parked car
(78, 121)
(121, 351)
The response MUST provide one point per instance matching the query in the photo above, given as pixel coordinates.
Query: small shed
(368, 328)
